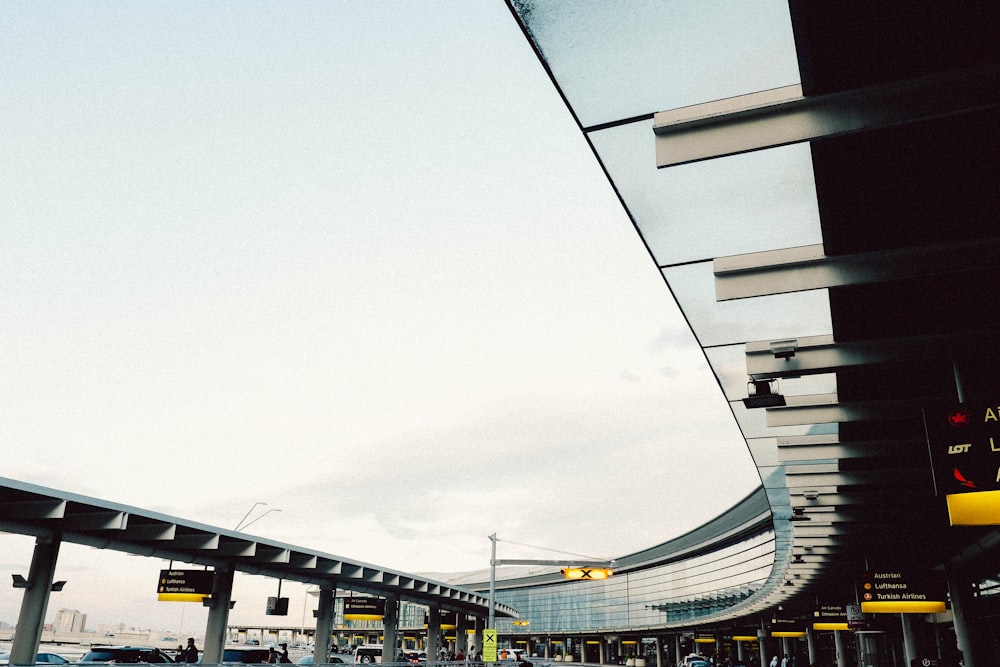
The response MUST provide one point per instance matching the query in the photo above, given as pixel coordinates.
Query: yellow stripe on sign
(904, 607)
(830, 626)
(974, 509)
(181, 597)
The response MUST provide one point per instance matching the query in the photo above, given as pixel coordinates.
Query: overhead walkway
(54, 517)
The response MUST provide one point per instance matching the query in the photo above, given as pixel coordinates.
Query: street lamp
(241, 525)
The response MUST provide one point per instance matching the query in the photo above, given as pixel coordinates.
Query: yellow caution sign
(490, 645)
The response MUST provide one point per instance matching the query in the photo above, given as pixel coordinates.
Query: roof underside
(853, 219)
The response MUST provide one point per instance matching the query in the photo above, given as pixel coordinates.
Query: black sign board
(898, 590)
(184, 585)
(787, 627)
(363, 609)
(276, 606)
(965, 446)
(834, 613)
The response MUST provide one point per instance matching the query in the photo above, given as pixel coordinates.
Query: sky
(351, 260)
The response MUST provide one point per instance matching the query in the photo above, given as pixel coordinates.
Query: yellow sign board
(490, 645)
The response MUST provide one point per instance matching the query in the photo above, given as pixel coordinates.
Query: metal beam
(811, 355)
(783, 116)
(809, 267)
(825, 409)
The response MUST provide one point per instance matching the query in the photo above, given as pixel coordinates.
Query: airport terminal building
(817, 183)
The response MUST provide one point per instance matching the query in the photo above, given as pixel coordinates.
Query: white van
(508, 655)
(368, 653)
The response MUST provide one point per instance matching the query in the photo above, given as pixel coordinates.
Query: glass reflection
(611, 58)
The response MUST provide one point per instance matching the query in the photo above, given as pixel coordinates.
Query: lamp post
(571, 569)
(241, 525)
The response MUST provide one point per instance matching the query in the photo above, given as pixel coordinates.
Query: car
(332, 660)
(42, 659)
(367, 653)
(510, 655)
(128, 655)
(245, 655)
(410, 655)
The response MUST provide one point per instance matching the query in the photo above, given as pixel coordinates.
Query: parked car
(368, 653)
(245, 655)
(511, 655)
(42, 659)
(411, 655)
(129, 655)
(332, 660)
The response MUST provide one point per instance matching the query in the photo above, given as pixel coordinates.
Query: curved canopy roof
(817, 183)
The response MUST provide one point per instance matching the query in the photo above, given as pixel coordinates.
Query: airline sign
(364, 609)
(898, 591)
(965, 445)
(965, 451)
(184, 585)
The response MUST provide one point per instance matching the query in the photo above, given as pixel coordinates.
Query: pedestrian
(284, 653)
(774, 660)
(190, 652)
(272, 656)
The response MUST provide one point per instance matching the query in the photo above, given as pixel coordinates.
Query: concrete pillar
(911, 644)
(963, 607)
(461, 633)
(31, 620)
(433, 633)
(659, 652)
(762, 642)
(390, 629)
(476, 646)
(679, 648)
(838, 642)
(811, 645)
(600, 651)
(324, 622)
(217, 625)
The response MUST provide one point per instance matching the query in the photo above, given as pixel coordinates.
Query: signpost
(490, 645)
(830, 617)
(964, 441)
(899, 591)
(364, 609)
(184, 585)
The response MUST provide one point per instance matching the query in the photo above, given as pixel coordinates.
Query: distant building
(70, 620)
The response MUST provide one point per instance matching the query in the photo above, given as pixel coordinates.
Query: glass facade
(661, 595)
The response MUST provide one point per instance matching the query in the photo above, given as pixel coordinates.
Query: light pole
(241, 525)
(572, 569)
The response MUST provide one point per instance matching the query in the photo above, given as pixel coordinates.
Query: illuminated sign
(787, 627)
(184, 585)
(363, 609)
(830, 617)
(899, 592)
(587, 572)
(965, 452)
